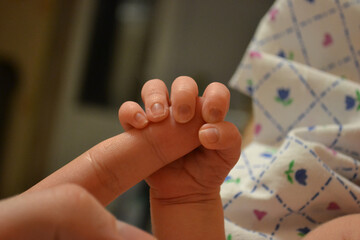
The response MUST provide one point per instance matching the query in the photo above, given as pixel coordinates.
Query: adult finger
(216, 102)
(63, 212)
(184, 93)
(224, 137)
(129, 232)
(118, 163)
(131, 115)
(156, 99)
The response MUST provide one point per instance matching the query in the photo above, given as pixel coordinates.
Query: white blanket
(302, 169)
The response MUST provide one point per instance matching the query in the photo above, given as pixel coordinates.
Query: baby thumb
(224, 137)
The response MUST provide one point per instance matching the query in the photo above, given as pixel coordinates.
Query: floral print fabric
(302, 72)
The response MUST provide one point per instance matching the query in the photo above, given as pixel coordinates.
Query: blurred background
(66, 66)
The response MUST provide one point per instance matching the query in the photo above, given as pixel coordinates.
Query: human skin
(62, 212)
(68, 204)
(342, 228)
(184, 195)
(62, 206)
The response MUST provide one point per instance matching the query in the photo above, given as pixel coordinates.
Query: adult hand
(62, 212)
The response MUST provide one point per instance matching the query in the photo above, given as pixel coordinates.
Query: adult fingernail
(157, 110)
(183, 113)
(215, 115)
(140, 118)
(210, 134)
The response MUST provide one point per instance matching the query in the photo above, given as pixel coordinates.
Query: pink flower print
(259, 214)
(255, 54)
(333, 206)
(273, 13)
(332, 151)
(257, 129)
(328, 40)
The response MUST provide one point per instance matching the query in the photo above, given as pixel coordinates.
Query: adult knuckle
(75, 195)
(105, 175)
(69, 199)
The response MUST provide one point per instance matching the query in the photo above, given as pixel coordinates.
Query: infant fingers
(223, 137)
(184, 92)
(131, 115)
(216, 102)
(155, 97)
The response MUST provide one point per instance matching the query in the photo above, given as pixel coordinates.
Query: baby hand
(197, 149)
(207, 145)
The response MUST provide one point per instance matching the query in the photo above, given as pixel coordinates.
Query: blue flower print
(303, 231)
(229, 179)
(249, 86)
(300, 176)
(311, 128)
(350, 101)
(266, 155)
(283, 96)
(283, 93)
(281, 54)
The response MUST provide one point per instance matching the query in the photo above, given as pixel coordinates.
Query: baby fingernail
(183, 113)
(140, 118)
(157, 110)
(215, 115)
(210, 134)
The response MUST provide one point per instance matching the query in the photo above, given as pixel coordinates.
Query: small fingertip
(183, 113)
(131, 115)
(216, 102)
(209, 135)
(141, 120)
(215, 115)
(212, 114)
(158, 111)
(184, 93)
